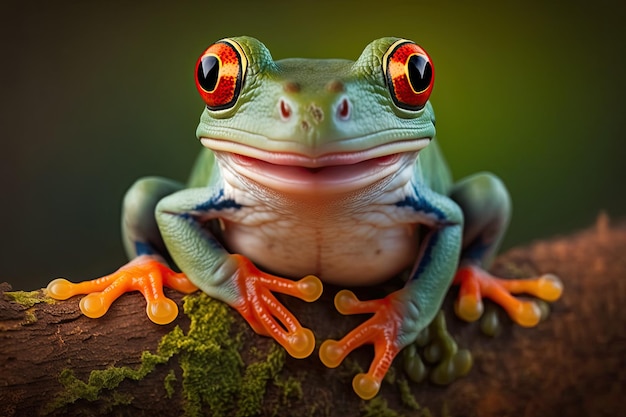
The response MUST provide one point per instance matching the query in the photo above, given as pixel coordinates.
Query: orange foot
(144, 274)
(475, 283)
(381, 330)
(266, 315)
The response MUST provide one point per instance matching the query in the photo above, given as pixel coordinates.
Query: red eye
(409, 74)
(219, 74)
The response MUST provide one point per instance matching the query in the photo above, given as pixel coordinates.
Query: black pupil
(208, 72)
(420, 72)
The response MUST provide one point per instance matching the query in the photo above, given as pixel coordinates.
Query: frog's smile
(329, 172)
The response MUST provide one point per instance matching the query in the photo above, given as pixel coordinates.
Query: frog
(313, 172)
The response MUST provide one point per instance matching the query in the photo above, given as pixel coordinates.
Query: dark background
(97, 94)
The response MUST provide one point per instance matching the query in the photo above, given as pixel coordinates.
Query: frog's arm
(487, 208)
(229, 277)
(399, 317)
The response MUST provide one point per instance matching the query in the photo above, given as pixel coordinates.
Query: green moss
(28, 298)
(214, 376)
(29, 316)
(323, 409)
(209, 357)
(168, 383)
(99, 381)
(407, 398)
(290, 388)
(349, 368)
(120, 398)
(377, 407)
(255, 381)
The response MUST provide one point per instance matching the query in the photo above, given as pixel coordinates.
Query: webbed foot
(266, 315)
(381, 330)
(476, 284)
(144, 274)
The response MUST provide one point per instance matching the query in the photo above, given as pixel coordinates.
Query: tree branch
(55, 361)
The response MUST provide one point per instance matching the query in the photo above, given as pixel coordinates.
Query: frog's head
(329, 125)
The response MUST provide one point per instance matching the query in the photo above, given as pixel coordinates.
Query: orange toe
(61, 289)
(468, 307)
(266, 315)
(381, 330)
(547, 287)
(143, 274)
(162, 311)
(332, 353)
(94, 305)
(475, 284)
(179, 282)
(366, 386)
(300, 343)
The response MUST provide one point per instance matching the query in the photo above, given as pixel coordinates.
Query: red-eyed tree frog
(322, 169)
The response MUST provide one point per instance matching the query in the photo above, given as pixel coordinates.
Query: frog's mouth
(330, 172)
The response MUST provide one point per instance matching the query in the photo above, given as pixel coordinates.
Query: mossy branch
(55, 361)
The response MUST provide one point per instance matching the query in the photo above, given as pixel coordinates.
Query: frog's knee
(482, 192)
(143, 196)
(488, 185)
(138, 219)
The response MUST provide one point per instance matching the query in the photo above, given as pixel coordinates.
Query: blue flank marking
(476, 251)
(218, 203)
(215, 203)
(418, 203)
(142, 248)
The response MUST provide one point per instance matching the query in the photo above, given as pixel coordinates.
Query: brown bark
(573, 364)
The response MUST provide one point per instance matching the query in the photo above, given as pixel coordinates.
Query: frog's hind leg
(146, 272)
(140, 231)
(486, 208)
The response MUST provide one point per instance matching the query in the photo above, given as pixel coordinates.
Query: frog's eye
(409, 74)
(219, 74)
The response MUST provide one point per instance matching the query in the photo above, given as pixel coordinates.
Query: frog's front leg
(401, 316)
(146, 272)
(183, 218)
(486, 207)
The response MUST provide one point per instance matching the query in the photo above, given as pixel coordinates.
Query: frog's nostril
(316, 112)
(335, 86)
(291, 87)
(284, 109)
(344, 109)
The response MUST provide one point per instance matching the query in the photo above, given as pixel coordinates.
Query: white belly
(342, 242)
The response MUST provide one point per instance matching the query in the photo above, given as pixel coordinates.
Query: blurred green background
(97, 94)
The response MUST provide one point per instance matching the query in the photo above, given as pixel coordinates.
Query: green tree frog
(322, 169)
